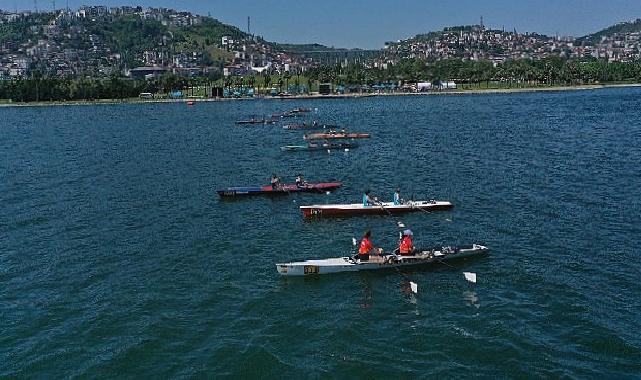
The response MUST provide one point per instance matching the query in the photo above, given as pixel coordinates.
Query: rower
(367, 199)
(367, 247)
(300, 181)
(275, 181)
(406, 246)
(397, 197)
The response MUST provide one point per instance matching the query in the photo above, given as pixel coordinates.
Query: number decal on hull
(311, 269)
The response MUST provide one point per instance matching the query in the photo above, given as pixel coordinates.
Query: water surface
(117, 259)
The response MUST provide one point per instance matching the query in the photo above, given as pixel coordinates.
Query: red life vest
(366, 246)
(406, 245)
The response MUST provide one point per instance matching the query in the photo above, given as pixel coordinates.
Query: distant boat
(309, 126)
(336, 135)
(295, 112)
(191, 103)
(256, 121)
(318, 146)
(284, 189)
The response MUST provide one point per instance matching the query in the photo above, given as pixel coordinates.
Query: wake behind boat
(384, 208)
(349, 264)
(279, 190)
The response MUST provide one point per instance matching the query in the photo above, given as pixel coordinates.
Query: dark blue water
(117, 259)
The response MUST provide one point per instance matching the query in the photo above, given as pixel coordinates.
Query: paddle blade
(354, 242)
(469, 276)
(414, 287)
(400, 225)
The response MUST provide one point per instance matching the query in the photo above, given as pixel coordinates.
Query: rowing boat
(295, 112)
(256, 121)
(315, 146)
(350, 264)
(333, 210)
(336, 135)
(281, 190)
(309, 126)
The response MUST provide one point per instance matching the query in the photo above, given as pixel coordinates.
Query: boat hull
(334, 146)
(283, 190)
(348, 264)
(255, 122)
(309, 126)
(355, 209)
(336, 136)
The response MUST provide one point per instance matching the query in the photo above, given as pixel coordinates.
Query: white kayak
(349, 264)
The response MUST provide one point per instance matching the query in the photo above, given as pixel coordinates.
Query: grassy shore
(460, 91)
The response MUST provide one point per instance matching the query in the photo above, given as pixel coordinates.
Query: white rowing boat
(343, 210)
(349, 264)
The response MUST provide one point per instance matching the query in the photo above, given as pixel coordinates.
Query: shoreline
(318, 96)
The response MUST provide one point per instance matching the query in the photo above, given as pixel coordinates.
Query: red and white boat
(283, 189)
(384, 208)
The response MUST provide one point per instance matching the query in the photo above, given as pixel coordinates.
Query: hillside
(620, 28)
(103, 42)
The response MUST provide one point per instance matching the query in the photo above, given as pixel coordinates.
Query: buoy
(347, 149)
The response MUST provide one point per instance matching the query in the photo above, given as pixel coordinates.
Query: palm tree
(267, 79)
(287, 76)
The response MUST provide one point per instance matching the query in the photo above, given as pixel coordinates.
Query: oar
(413, 285)
(427, 212)
(469, 276)
(398, 222)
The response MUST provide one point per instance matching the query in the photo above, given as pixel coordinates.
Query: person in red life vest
(406, 247)
(366, 247)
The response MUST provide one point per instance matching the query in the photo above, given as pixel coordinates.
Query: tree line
(523, 72)
(38, 88)
(513, 73)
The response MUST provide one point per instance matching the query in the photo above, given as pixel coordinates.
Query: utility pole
(35, 5)
(53, 5)
(248, 25)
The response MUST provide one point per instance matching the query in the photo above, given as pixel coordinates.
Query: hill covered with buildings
(96, 41)
(618, 43)
(97, 52)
